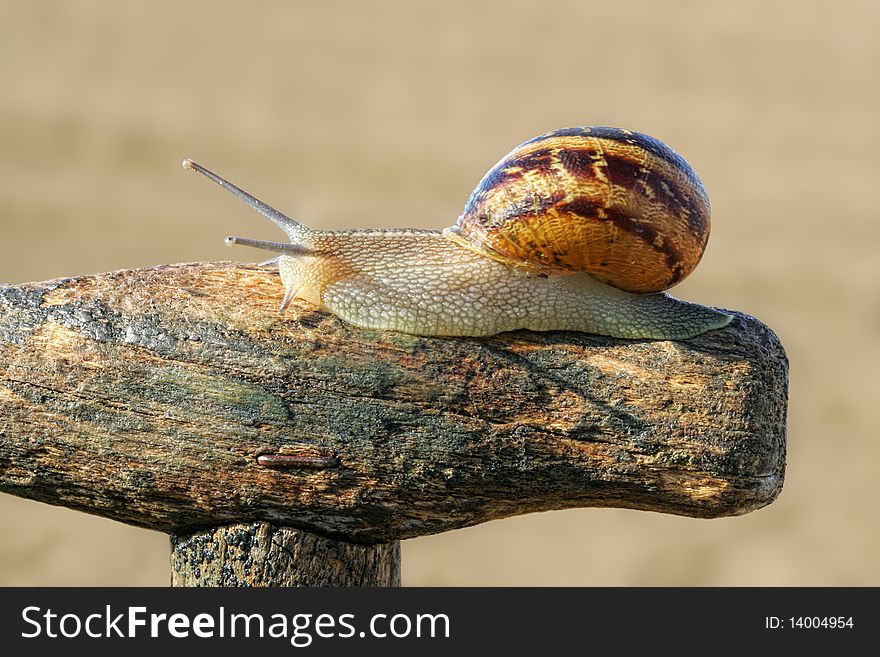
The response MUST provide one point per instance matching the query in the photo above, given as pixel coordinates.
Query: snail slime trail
(579, 229)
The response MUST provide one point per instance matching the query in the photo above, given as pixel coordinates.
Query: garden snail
(578, 229)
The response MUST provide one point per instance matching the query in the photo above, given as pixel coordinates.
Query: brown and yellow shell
(617, 204)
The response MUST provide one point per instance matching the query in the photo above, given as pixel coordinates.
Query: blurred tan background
(388, 113)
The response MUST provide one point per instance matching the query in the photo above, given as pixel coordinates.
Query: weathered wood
(177, 398)
(258, 554)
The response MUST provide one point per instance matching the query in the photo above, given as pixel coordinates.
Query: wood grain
(258, 554)
(177, 398)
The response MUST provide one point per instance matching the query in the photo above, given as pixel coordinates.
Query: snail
(578, 229)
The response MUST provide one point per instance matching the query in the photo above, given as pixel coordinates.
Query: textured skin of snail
(578, 229)
(423, 283)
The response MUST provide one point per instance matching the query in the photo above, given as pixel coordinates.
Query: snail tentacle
(291, 227)
(276, 247)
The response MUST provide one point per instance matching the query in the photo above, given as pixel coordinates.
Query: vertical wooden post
(259, 554)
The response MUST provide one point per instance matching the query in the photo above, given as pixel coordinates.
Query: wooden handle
(177, 398)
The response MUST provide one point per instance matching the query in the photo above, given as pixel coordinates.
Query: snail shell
(619, 205)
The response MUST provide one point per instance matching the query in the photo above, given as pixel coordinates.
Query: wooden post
(258, 554)
(296, 449)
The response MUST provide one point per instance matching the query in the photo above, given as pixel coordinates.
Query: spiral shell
(617, 204)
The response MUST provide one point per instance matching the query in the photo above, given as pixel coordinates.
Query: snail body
(579, 229)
